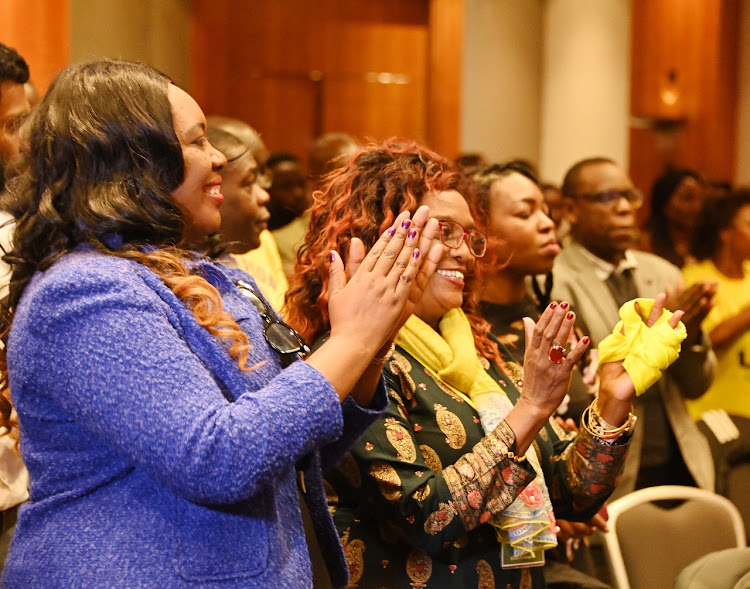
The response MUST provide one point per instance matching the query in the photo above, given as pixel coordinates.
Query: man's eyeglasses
(278, 334)
(610, 197)
(264, 178)
(452, 235)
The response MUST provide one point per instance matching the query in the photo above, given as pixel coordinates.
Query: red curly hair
(362, 199)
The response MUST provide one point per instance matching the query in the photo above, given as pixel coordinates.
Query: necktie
(622, 286)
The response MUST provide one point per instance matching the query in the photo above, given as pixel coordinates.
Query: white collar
(604, 269)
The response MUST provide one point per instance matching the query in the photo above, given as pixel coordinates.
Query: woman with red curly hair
(454, 486)
(173, 436)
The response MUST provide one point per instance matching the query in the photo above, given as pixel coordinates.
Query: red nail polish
(415, 255)
(553, 305)
(412, 234)
(585, 340)
(564, 305)
(406, 224)
(570, 316)
(331, 257)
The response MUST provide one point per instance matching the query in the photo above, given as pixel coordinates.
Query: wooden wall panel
(445, 63)
(296, 68)
(40, 31)
(683, 88)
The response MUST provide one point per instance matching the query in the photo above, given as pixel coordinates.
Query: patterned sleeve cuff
(485, 481)
(593, 468)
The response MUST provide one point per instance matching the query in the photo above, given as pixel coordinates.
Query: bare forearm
(723, 334)
(526, 420)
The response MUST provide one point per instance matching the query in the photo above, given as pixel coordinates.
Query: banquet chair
(649, 544)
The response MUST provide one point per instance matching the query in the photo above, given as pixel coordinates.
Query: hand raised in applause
(374, 295)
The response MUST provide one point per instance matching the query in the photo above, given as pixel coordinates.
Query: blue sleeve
(356, 421)
(98, 348)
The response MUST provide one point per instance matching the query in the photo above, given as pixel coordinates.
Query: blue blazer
(154, 460)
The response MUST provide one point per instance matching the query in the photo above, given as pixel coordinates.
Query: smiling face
(445, 289)
(243, 213)
(606, 230)
(199, 196)
(522, 235)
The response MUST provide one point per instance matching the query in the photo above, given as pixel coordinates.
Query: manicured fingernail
(331, 257)
(564, 305)
(570, 316)
(585, 340)
(553, 305)
(415, 255)
(412, 234)
(392, 231)
(406, 224)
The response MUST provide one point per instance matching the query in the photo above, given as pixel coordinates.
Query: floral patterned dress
(412, 497)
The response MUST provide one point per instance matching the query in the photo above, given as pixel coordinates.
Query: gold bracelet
(599, 428)
(381, 360)
(516, 458)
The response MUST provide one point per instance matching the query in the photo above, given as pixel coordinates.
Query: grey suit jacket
(689, 377)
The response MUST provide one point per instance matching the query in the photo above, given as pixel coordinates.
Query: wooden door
(299, 68)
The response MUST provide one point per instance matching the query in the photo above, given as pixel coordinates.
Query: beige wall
(586, 83)
(742, 173)
(140, 30)
(547, 80)
(501, 93)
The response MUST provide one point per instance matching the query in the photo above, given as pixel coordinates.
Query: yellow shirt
(264, 265)
(731, 387)
(289, 238)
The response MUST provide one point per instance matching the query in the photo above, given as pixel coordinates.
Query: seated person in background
(721, 244)
(598, 272)
(676, 200)
(462, 472)
(289, 197)
(328, 152)
(262, 261)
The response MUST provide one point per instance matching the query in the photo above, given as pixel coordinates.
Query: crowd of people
(367, 366)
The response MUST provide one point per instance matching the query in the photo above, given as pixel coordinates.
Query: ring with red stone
(556, 353)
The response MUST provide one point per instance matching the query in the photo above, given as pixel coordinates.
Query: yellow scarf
(646, 351)
(527, 524)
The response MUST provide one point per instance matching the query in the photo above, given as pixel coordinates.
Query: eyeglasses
(610, 197)
(278, 334)
(264, 178)
(452, 235)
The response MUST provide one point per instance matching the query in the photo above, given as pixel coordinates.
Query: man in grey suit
(596, 273)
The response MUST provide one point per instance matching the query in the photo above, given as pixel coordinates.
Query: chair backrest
(648, 544)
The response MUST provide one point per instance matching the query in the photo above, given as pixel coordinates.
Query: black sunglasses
(278, 334)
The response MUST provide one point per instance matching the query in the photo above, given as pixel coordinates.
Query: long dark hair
(658, 224)
(103, 159)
